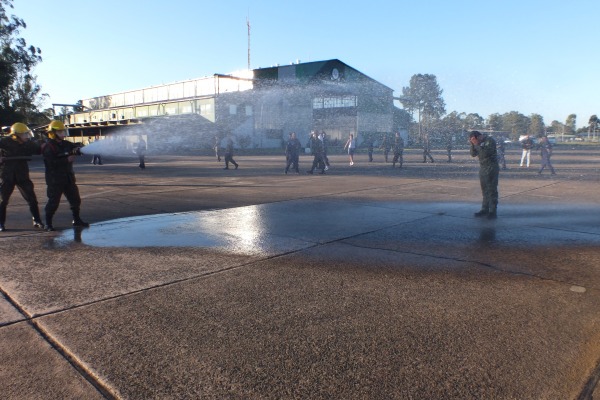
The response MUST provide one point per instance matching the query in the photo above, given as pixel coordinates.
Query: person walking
(398, 150)
(449, 147)
(351, 146)
(484, 147)
(229, 154)
(15, 152)
(317, 151)
(527, 145)
(325, 140)
(427, 151)
(292, 153)
(97, 158)
(140, 150)
(546, 152)
(59, 155)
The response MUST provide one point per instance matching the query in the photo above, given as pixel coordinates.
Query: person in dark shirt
(15, 152)
(59, 155)
(292, 153)
(484, 147)
(229, 154)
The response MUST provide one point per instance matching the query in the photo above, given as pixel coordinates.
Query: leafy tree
(425, 97)
(558, 128)
(571, 124)
(494, 121)
(474, 121)
(593, 125)
(20, 95)
(536, 125)
(516, 123)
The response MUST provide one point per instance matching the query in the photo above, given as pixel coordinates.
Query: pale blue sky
(531, 56)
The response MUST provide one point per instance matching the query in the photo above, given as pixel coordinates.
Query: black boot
(77, 221)
(49, 227)
(37, 223)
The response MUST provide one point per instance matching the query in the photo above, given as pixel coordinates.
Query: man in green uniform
(484, 147)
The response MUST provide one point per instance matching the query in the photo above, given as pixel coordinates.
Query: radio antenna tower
(248, 23)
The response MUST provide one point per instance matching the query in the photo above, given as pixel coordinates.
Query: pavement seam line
(69, 357)
(486, 265)
(587, 392)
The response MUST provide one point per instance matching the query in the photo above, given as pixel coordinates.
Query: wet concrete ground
(368, 282)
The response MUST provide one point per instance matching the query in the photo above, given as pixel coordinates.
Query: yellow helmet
(19, 129)
(55, 127)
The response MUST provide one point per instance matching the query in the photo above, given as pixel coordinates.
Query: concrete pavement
(368, 282)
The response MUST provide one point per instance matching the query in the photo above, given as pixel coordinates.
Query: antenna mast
(248, 23)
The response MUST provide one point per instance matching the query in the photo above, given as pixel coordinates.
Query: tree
(516, 123)
(571, 124)
(536, 125)
(494, 121)
(425, 97)
(593, 125)
(20, 95)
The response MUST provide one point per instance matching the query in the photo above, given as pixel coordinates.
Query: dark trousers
(319, 163)
(488, 178)
(97, 159)
(55, 192)
(142, 161)
(26, 188)
(397, 159)
(229, 159)
(292, 159)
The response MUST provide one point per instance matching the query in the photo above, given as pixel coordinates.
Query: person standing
(449, 149)
(140, 150)
(217, 148)
(385, 145)
(527, 145)
(292, 153)
(229, 154)
(15, 152)
(59, 155)
(501, 151)
(546, 152)
(370, 148)
(398, 150)
(97, 158)
(484, 147)
(351, 146)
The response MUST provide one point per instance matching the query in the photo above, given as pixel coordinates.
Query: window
(334, 102)
(232, 109)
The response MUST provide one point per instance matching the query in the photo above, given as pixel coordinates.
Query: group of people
(58, 154)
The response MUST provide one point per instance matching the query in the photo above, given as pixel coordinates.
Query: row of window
(334, 102)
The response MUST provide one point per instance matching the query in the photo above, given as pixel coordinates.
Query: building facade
(259, 108)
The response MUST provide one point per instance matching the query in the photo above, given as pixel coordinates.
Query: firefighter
(484, 147)
(15, 152)
(59, 155)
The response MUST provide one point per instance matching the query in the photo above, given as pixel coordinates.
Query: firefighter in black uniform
(484, 147)
(58, 156)
(15, 152)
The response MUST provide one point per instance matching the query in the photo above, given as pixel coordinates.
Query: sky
(489, 56)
